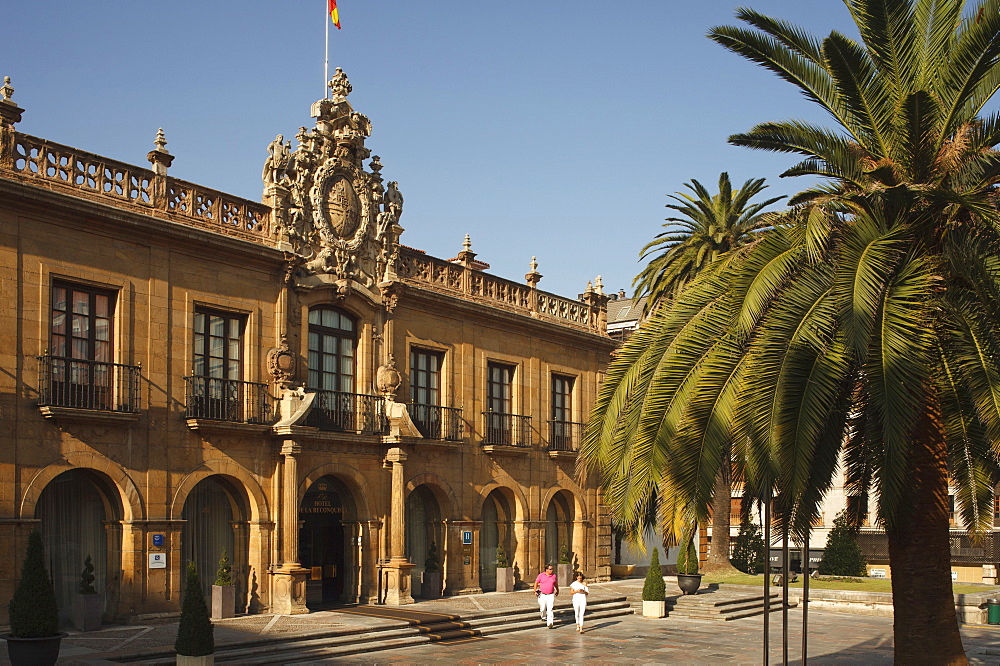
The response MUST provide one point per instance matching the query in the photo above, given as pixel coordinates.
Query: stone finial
(533, 277)
(160, 157)
(467, 257)
(340, 87)
(590, 288)
(10, 113)
(599, 286)
(7, 91)
(376, 165)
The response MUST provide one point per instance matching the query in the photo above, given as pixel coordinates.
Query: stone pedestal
(397, 582)
(288, 591)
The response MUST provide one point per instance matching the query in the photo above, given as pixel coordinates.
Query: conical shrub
(654, 589)
(32, 609)
(195, 637)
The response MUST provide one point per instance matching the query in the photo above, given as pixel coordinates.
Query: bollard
(993, 611)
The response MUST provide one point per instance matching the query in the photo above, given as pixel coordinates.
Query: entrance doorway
(497, 531)
(325, 543)
(423, 528)
(559, 528)
(215, 520)
(80, 513)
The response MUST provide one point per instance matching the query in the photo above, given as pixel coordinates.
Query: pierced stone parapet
(474, 285)
(97, 177)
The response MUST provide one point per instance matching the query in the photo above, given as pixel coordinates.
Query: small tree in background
(33, 612)
(748, 553)
(654, 589)
(87, 577)
(501, 558)
(687, 557)
(195, 637)
(843, 556)
(565, 557)
(224, 574)
(431, 563)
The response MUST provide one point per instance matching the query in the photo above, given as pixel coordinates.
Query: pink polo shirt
(546, 583)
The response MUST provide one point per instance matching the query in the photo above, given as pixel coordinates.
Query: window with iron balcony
(78, 371)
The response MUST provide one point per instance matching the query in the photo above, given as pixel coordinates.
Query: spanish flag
(334, 14)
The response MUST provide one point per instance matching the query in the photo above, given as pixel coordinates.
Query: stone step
(394, 636)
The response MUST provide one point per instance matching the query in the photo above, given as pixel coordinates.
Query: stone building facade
(186, 372)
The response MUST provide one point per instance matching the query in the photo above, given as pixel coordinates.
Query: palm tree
(866, 330)
(709, 226)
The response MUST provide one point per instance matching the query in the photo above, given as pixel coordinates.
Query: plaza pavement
(626, 639)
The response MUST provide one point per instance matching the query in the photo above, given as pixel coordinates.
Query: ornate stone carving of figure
(278, 155)
(340, 87)
(394, 198)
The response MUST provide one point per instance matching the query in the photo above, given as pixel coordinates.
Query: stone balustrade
(77, 172)
(95, 177)
(470, 284)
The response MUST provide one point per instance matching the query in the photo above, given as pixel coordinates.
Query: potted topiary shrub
(34, 618)
(505, 572)
(430, 584)
(195, 642)
(564, 568)
(653, 590)
(87, 606)
(688, 578)
(223, 592)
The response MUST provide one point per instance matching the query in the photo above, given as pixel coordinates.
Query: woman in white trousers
(580, 592)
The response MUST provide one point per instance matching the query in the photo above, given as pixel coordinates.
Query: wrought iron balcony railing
(217, 399)
(82, 384)
(506, 429)
(348, 412)
(565, 435)
(436, 422)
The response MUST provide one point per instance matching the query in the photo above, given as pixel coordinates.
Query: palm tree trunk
(925, 626)
(718, 555)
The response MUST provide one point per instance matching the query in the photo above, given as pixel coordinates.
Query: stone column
(288, 586)
(259, 548)
(370, 531)
(398, 569)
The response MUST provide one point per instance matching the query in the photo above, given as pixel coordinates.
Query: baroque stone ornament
(336, 216)
(388, 379)
(281, 363)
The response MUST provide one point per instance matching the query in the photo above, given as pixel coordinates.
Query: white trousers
(545, 603)
(579, 607)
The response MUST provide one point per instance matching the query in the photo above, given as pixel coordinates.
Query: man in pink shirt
(546, 588)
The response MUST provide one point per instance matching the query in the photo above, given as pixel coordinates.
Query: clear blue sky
(552, 128)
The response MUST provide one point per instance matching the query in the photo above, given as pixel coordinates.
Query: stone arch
(118, 478)
(350, 476)
(506, 483)
(257, 501)
(579, 503)
(439, 487)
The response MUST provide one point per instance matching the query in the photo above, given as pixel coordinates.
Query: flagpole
(326, 53)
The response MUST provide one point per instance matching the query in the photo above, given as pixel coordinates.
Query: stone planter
(430, 585)
(223, 602)
(564, 574)
(505, 579)
(33, 651)
(654, 608)
(87, 611)
(689, 583)
(622, 570)
(204, 660)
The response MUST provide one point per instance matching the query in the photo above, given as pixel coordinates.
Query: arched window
(333, 338)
